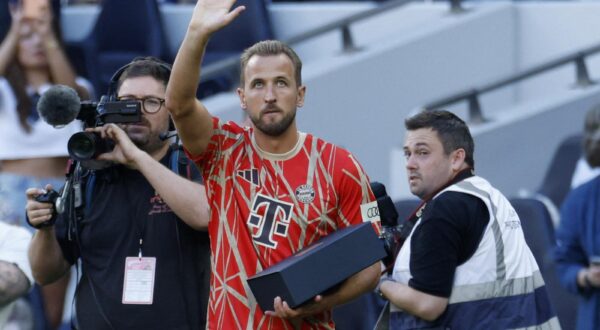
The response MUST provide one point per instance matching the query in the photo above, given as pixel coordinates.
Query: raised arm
(60, 67)
(8, 47)
(193, 121)
(186, 198)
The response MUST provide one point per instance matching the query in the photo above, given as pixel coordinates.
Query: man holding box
(272, 189)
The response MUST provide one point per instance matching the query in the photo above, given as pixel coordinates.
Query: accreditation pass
(138, 284)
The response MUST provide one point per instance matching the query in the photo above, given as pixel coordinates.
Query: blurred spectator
(16, 276)
(578, 235)
(32, 153)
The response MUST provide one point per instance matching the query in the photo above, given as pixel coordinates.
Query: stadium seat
(4, 20)
(539, 235)
(123, 30)
(557, 181)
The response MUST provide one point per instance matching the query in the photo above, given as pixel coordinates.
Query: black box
(318, 267)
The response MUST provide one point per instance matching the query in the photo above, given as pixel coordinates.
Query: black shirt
(124, 208)
(451, 228)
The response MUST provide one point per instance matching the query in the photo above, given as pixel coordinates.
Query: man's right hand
(212, 15)
(37, 212)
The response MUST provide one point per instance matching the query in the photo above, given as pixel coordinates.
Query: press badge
(138, 284)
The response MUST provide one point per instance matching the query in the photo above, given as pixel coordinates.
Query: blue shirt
(578, 238)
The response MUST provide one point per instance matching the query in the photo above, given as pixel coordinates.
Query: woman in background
(32, 153)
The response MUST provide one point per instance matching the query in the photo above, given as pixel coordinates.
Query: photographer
(140, 221)
(466, 264)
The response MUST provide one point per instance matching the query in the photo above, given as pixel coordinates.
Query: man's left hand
(283, 310)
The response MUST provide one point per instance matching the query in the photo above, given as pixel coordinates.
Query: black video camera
(393, 234)
(86, 146)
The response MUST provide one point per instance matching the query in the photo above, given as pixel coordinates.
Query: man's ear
(458, 159)
(301, 94)
(242, 97)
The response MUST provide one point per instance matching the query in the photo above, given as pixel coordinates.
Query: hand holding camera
(40, 207)
(122, 151)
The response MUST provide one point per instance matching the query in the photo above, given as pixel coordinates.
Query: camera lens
(84, 145)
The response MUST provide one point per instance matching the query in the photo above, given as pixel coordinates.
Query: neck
(277, 144)
(160, 152)
(37, 77)
(458, 176)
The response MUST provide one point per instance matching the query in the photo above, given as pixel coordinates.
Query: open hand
(212, 15)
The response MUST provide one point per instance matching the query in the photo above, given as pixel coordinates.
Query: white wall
(548, 30)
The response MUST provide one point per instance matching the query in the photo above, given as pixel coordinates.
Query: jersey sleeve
(357, 203)
(225, 135)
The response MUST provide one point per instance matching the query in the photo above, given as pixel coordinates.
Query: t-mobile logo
(274, 221)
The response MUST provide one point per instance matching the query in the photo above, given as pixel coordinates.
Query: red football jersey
(265, 207)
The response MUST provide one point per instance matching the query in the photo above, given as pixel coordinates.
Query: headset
(114, 82)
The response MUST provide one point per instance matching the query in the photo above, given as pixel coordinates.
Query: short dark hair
(591, 136)
(452, 131)
(146, 66)
(269, 48)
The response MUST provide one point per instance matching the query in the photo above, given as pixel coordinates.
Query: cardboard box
(318, 267)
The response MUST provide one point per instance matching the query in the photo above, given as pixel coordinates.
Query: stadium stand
(123, 30)
(557, 180)
(539, 235)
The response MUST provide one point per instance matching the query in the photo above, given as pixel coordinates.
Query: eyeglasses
(150, 104)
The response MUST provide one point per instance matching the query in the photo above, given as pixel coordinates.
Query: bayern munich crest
(305, 193)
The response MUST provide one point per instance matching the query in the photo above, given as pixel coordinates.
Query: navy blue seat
(557, 181)
(539, 235)
(123, 31)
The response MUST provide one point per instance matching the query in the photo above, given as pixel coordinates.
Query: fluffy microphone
(387, 210)
(59, 105)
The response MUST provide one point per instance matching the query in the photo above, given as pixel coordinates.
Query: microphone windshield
(59, 105)
(387, 209)
(378, 189)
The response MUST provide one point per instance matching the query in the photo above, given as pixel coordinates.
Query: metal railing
(471, 95)
(230, 65)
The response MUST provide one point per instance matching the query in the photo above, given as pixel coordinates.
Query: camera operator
(141, 221)
(465, 264)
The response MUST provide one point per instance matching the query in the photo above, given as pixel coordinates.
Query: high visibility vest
(499, 287)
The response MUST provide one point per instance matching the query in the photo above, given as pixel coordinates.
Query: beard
(276, 128)
(148, 141)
